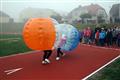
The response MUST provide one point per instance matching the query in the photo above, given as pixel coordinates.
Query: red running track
(75, 65)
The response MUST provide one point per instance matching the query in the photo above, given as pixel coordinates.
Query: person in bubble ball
(62, 42)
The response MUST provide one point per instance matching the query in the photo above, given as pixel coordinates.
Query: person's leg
(49, 54)
(45, 55)
(111, 43)
(118, 42)
(85, 40)
(61, 53)
(89, 40)
(107, 43)
(103, 42)
(114, 40)
(97, 42)
(100, 42)
(58, 52)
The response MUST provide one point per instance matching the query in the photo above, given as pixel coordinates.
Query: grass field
(12, 44)
(111, 72)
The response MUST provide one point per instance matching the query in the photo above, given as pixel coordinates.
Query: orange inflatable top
(39, 34)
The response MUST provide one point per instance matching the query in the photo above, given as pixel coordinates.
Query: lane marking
(5, 39)
(117, 49)
(24, 53)
(85, 78)
(12, 71)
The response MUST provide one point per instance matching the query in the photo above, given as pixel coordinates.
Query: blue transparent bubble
(72, 35)
(55, 22)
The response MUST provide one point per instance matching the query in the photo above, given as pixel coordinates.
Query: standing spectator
(81, 35)
(109, 37)
(102, 36)
(118, 39)
(97, 38)
(116, 32)
(92, 37)
(114, 40)
(85, 35)
(88, 35)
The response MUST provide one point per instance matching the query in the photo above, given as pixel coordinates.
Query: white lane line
(101, 47)
(106, 48)
(29, 52)
(101, 68)
(12, 71)
(10, 39)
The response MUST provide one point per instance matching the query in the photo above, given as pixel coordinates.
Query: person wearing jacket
(102, 36)
(97, 37)
(109, 37)
(118, 39)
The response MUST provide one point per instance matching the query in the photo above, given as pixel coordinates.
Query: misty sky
(14, 7)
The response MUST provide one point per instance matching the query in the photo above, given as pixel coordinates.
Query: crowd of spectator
(109, 37)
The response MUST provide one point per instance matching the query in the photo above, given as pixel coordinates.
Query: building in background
(4, 18)
(88, 14)
(115, 13)
(38, 13)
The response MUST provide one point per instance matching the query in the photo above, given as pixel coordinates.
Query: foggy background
(14, 7)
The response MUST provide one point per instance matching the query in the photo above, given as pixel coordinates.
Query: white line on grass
(18, 54)
(6, 39)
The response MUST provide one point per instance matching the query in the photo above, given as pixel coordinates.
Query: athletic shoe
(47, 60)
(44, 62)
(57, 58)
(63, 54)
